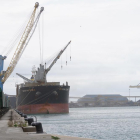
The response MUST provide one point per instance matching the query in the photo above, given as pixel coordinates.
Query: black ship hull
(43, 99)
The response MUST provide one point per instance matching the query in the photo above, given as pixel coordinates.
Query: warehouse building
(102, 100)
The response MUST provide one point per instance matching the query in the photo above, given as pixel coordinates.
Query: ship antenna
(61, 63)
(70, 52)
(45, 65)
(66, 57)
(33, 71)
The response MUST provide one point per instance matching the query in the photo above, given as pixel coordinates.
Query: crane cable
(39, 41)
(41, 37)
(66, 57)
(50, 59)
(11, 44)
(61, 63)
(19, 34)
(31, 33)
(70, 51)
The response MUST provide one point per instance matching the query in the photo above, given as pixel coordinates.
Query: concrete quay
(16, 133)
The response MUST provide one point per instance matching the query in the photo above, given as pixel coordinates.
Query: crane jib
(57, 57)
(27, 34)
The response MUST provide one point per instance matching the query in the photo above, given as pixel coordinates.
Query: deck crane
(26, 36)
(57, 57)
(43, 72)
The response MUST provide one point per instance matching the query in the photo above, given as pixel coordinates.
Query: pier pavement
(16, 133)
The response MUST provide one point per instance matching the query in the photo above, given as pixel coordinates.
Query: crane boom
(26, 79)
(22, 43)
(57, 57)
(137, 86)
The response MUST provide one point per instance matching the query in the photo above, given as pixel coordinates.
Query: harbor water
(102, 123)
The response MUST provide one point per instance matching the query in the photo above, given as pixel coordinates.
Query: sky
(105, 47)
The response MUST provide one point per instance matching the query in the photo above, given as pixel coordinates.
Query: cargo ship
(37, 96)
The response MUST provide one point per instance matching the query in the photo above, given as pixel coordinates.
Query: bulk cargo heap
(37, 96)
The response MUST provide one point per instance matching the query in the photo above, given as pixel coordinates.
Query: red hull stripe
(44, 109)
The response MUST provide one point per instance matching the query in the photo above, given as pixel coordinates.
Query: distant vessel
(37, 96)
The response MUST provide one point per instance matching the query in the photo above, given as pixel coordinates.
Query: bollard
(20, 114)
(26, 119)
(38, 126)
(30, 120)
(24, 115)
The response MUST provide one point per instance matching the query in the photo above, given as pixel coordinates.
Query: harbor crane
(28, 32)
(26, 36)
(137, 86)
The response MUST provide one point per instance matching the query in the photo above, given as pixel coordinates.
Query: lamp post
(129, 94)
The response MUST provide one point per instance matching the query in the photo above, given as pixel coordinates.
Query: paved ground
(16, 133)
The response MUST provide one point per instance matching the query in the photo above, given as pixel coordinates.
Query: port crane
(137, 86)
(26, 36)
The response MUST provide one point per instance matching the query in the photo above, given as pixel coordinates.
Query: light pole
(129, 94)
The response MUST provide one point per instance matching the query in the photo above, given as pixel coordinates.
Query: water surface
(102, 123)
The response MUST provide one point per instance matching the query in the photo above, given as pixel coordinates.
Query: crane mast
(23, 42)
